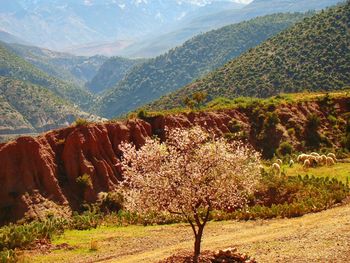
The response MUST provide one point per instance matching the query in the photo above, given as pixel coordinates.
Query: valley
(199, 131)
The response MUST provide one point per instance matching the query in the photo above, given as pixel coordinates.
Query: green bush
(142, 114)
(284, 149)
(283, 196)
(18, 236)
(110, 202)
(85, 221)
(234, 126)
(84, 181)
(291, 131)
(312, 137)
(81, 122)
(346, 141)
(332, 119)
(8, 256)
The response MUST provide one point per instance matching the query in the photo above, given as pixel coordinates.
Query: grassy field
(319, 237)
(340, 171)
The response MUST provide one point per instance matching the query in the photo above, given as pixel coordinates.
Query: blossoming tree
(190, 174)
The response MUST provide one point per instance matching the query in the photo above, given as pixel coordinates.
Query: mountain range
(213, 16)
(263, 56)
(312, 55)
(63, 24)
(195, 58)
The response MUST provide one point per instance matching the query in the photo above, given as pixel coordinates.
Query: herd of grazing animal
(307, 160)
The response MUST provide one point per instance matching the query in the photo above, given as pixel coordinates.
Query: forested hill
(193, 59)
(312, 55)
(16, 67)
(29, 108)
(111, 73)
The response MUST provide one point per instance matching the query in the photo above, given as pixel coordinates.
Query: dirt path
(320, 237)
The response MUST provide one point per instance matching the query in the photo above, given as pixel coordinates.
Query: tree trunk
(197, 244)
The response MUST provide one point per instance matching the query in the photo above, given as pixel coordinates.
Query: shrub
(271, 120)
(81, 122)
(234, 126)
(85, 221)
(312, 136)
(291, 131)
(8, 256)
(84, 181)
(332, 119)
(284, 149)
(142, 114)
(282, 196)
(110, 202)
(18, 236)
(346, 141)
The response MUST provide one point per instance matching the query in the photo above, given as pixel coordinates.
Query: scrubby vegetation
(17, 68)
(195, 58)
(30, 108)
(291, 196)
(111, 73)
(69, 68)
(312, 55)
(275, 128)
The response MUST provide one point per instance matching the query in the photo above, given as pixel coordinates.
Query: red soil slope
(50, 163)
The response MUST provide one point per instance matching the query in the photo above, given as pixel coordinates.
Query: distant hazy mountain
(59, 24)
(212, 16)
(67, 67)
(9, 38)
(196, 57)
(158, 43)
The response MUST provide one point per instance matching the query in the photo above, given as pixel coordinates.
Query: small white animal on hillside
(276, 168)
(306, 164)
(332, 155)
(330, 161)
(291, 163)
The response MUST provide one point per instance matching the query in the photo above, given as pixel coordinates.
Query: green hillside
(312, 55)
(25, 107)
(67, 67)
(17, 68)
(111, 73)
(194, 58)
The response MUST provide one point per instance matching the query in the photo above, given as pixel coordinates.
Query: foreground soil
(319, 237)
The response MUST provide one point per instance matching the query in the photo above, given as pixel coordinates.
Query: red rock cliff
(50, 164)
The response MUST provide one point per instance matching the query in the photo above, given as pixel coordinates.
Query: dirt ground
(319, 237)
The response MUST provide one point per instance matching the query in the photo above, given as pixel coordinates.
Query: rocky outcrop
(50, 164)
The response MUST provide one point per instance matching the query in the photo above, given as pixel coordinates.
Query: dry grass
(320, 237)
